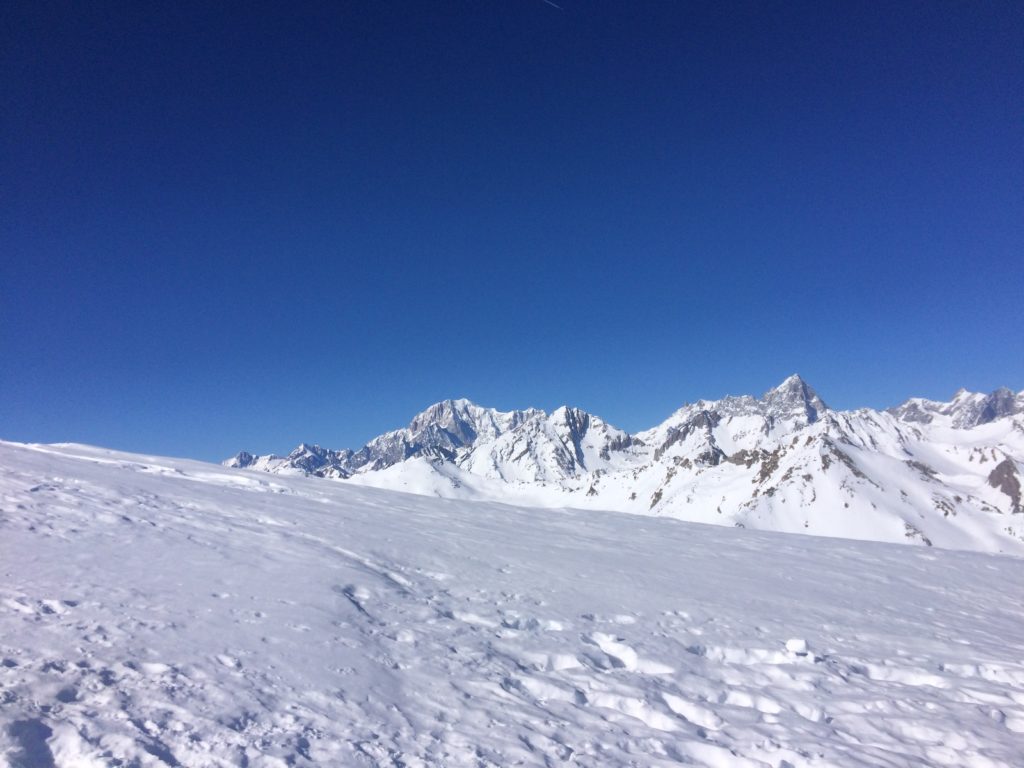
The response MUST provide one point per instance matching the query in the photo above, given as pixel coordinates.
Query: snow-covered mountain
(948, 474)
(965, 410)
(162, 612)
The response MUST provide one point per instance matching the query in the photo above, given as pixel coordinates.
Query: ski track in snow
(167, 612)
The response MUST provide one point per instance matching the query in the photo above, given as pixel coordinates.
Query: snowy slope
(166, 612)
(942, 474)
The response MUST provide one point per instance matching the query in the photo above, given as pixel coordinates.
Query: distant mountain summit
(793, 400)
(925, 471)
(965, 410)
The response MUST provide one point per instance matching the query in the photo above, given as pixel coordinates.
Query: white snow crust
(167, 612)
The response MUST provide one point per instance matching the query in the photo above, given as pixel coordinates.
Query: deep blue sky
(225, 229)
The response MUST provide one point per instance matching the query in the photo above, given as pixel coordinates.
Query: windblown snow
(165, 612)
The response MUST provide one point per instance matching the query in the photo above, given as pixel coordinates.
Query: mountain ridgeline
(927, 472)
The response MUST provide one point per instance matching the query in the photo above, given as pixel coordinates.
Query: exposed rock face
(1002, 402)
(1006, 478)
(703, 423)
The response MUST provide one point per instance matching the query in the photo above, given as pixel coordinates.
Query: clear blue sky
(226, 229)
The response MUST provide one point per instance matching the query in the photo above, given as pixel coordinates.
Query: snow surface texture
(165, 612)
(928, 473)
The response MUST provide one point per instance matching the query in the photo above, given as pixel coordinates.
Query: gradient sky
(242, 228)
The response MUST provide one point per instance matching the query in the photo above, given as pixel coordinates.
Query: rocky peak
(466, 423)
(1002, 402)
(794, 397)
(459, 418)
(241, 460)
(577, 421)
(314, 459)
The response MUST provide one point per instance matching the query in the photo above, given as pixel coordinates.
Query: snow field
(166, 612)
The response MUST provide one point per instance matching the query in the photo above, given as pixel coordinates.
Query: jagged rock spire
(794, 397)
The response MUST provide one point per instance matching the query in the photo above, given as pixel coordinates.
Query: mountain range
(947, 474)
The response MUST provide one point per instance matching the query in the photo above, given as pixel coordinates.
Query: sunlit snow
(168, 612)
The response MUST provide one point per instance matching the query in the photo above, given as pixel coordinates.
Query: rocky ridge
(923, 472)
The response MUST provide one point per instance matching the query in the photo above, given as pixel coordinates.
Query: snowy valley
(926, 472)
